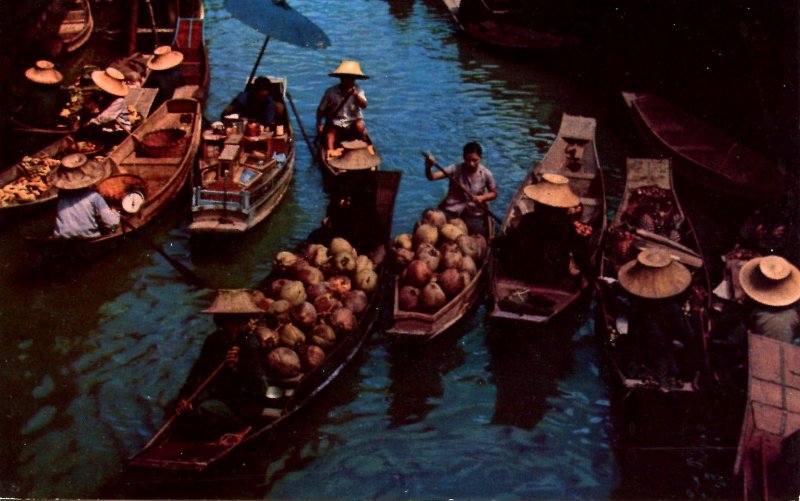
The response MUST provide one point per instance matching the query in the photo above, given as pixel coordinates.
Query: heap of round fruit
(436, 262)
(314, 300)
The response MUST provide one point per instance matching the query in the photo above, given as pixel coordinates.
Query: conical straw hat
(356, 156)
(234, 302)
(552, 190)
(348, 69)
(770, 280)
(111, 80)
(75, 172)
(44, 72)
(164, 58)
(654, 275)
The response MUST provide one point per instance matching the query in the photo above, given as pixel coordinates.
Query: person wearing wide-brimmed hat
(45, 97)
(254, 103)
(165, 73)
(113, 119)
(236, 394)
(664, 341)
(339, 115)
(82, 212)
(773, 284)
(544, 246)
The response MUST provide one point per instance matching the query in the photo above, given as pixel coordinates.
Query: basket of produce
(160, 143)
(115, 187)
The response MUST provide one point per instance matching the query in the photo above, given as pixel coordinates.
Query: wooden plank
(142, 99)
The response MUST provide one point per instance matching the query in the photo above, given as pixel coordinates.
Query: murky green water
(92, 357)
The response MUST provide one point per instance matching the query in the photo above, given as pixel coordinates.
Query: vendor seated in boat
(82, 211)
(339, 115)
(545, 246)
(770, 230)
(113, 123)
(45, 98)
(772, 284)
(165, 73)
(660, 343)
(469, 175)
(232, 398)
(255, 103)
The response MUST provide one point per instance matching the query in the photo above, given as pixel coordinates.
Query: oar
(302, 129)
(258, 61)
(428, 156)
(182, 269)
(153, 22)
(191, 397)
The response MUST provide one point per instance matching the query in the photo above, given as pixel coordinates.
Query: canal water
(92, 357)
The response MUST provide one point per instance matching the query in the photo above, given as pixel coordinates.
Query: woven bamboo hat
(654, 275)
(552, 190)
(348, 69)
(44, 72)
(234, 302)
(356, 155)
(770, 280)
(164, 58)
(77, 173)
(111, 80)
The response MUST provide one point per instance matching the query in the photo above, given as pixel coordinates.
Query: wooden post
(133, 26)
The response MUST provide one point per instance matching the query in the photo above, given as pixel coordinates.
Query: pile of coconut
(314, 300)
(437, 262)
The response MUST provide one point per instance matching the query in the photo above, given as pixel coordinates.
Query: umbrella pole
(258, 61)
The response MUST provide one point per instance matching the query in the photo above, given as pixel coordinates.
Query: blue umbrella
(276, 19)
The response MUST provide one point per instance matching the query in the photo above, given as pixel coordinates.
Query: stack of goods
(32, 185)
(437, 262)
(651, 208)
(313, 301)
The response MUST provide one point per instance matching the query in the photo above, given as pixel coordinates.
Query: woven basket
(164, 143)
(117, 186)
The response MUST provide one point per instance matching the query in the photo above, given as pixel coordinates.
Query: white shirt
(79, 212)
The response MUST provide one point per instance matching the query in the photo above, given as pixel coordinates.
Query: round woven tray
(160, 143)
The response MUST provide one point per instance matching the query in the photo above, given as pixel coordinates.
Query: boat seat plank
(186, 91)
(135, 160)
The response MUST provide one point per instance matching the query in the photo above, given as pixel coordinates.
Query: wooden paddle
(485, 207)
(191, 397)
(300, 124)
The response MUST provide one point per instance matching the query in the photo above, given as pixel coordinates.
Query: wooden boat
(157, 172)
(260, 168)
(169, 453)
(573, 154)
(701, 153)
(772, 415)
(425, 326)
(354, 156)
(498, 24)
(77, 26)
(650, 180)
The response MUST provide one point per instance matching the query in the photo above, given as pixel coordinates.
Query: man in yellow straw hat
(82, 212)
(45, 99)
(664, 343)
(773, 283)
(339, 115)
(235, 395)
(165, 73)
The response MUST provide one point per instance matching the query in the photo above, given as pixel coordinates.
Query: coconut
(459, 223)
(468, 246)
(429, 254)
(261, 300)
(366, 280)
(283, 261)
(279, 311)
(344, 262)
(308, 274)
(451, 282)
(434, 217)
(363, 262)
(448, 246)
(339, 284)
(323, 335)
(343, 320)
(408, 299)
(290, 336)
(483, 247)
(450, 260)
(268, 338)
(468, 266)
(401, 258)
(317, 255)
(304, 315)
(432, 297)
(403, 241)
(425, 233)
(355, 301)
(294, 292)
(274, 289)
(315, 290)
(283, 362)
(467, 278)
(311, 356)
(339, 245)
(451, 232)
(417, 274)
(325, 304)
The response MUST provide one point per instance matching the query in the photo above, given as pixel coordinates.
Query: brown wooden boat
(156, 162)
(77, 26)
(573, 154)
(259, 167)
(772, 415)
(497, 24)
(169, 453)
(702, 154)
(649, 180)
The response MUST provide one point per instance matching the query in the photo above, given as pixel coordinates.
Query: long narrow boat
(290, 396)
(573, 154)
(422, 325)
(259, 167)
(155, 163)
(490, 23)
(701, 153)
(649, 182)
(772, 415)
(77, 26)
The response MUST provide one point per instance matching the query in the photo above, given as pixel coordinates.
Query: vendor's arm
(107, 217)
(361, 97)
(429, 173)
(491, 188)
(110, 114)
